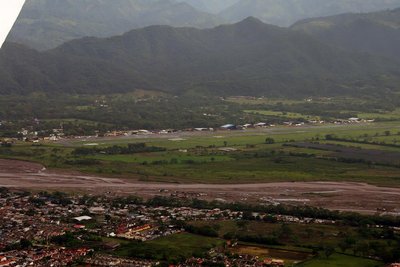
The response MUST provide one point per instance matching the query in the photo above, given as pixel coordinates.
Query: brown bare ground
(346, 196)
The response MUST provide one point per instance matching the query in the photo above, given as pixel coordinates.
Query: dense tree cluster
(117, 150)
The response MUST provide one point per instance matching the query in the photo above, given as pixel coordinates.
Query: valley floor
(345, 196)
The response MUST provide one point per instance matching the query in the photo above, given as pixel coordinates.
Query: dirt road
(358, 197)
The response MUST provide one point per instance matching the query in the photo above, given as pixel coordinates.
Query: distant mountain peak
(249, 57)
(286, 12)
(251, 24)
(251, 20)
(375, 33)
(45, 24)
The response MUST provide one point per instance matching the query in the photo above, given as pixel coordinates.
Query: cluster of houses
(42, 256)
(36, 136)
(248, 261)
(39, 218)
(21, 220)
(107, 261)
(132, 232)
(30, 222)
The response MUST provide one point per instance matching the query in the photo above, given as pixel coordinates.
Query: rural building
(82, 218)
(228, 127)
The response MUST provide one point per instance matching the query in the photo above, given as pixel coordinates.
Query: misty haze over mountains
(345, 54)
(45, 24)
(248, 57)
(376, 33)
(287, 12)
(211, 6)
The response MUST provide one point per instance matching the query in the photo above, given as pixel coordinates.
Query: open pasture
(226, 156)
(285, 115)
(369, 156)
(171, 248)
(341, 260)
(296, 241)
(382, 115)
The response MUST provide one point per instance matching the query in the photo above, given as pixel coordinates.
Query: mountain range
(287, 12)
(246, 58)
(376, 33)
(45, 24)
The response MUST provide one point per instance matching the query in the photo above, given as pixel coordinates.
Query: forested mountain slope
(247, 58)
(45, 24)
(376, 33)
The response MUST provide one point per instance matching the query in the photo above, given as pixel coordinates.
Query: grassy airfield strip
(234, 156)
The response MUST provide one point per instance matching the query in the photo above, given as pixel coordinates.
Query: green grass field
(184, 245)
(261, 100)
(172, 248)
(199, 157)
(340, 260)
(387, 115)
(286, 115)
(299, 235)
(296, 241)
(187, 244)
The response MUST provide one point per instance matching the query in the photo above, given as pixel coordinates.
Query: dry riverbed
(346, 196)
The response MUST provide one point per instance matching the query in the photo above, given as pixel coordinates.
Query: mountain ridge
(248, 57)
(45, 24)
(377, 33)
(287, 12)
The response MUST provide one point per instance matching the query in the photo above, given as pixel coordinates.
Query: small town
(56, 229)
(32, 223)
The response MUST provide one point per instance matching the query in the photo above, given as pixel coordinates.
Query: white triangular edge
(9, 11)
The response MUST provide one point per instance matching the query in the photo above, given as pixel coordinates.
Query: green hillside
(376, 33)
(45, 24)
(247, 58)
